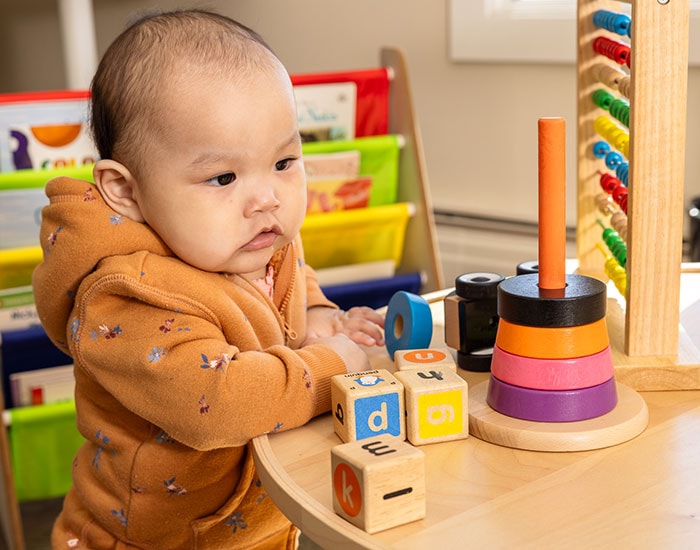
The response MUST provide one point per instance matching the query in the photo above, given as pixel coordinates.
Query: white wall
(478, 120)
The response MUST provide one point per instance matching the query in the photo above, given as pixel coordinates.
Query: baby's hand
(354, 357)
(362, 325)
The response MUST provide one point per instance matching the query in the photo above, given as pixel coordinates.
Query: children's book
(338, 194)
(340, 164)
(370, 98)
(379, 158)
(326, 111)
(25, 350)
(17, 309)
(43, 386)
(22, 198)
(40, 130)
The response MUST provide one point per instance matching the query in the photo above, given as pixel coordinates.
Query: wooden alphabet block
(432, 358)
(367, 404)
(436, 405)
(378, 483)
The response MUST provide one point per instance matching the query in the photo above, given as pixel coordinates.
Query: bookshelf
(420, 245)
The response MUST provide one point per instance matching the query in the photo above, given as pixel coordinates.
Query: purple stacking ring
(551, 405)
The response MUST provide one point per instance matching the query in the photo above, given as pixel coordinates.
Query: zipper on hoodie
(289, 332)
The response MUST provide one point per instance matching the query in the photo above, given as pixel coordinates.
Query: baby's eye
(283, 164)
(223, 179)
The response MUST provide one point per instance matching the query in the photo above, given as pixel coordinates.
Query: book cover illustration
(334, 182)
(371, 96)
(338, 194)
(41, 130)
(20, 217)
(43, 386)
(340, 164)
(17, 309)
(326, 111)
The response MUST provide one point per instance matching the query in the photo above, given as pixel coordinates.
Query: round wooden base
(626, 421)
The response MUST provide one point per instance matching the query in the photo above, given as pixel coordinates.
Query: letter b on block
(436, 405)
(367, 404)
(378, 483)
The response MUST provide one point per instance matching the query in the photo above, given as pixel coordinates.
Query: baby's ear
(118, 188)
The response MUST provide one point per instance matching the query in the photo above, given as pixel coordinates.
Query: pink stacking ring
(550, 405)
(552, 374)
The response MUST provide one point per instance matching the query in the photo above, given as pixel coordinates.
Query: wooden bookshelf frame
(420, 253)
(650, 349)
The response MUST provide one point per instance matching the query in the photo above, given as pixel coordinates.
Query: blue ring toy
(408, 323)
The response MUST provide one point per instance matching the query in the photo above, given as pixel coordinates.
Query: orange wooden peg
(552, 202)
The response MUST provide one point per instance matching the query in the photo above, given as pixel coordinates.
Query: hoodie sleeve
(168, 359)
(314, 294)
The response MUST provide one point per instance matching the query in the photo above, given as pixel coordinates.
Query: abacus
(631, 94)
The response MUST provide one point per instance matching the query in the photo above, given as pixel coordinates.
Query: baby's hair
(134, 70)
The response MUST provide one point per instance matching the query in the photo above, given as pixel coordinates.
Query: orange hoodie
(176, 370)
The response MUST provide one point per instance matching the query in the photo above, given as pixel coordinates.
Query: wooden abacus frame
(650, 350)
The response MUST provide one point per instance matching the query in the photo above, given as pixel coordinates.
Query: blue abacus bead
(622, 171)
(600, 149)
(619, 23)
(613, 159)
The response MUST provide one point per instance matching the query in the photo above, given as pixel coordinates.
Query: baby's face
(225, 186)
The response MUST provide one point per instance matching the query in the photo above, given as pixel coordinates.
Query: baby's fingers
(364, 332)
(366, 313)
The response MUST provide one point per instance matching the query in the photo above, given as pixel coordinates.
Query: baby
(178, 285)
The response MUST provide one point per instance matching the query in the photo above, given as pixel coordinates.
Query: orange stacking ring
(552, 343)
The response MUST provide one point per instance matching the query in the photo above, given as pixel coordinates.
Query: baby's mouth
(265, 239)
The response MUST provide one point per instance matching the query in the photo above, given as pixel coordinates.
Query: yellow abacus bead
(617, 274)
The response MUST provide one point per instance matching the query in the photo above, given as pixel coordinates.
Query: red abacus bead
(612, 49)
(623, 203)
(619, 192)
(609, 182)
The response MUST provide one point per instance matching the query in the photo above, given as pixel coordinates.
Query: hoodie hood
(76, 210)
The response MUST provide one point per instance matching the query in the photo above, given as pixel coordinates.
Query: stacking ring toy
(582, 301)
(408, 323)
(552, 343)
(551, 406)
(552, 374)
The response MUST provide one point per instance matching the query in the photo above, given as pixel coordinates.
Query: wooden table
(644, 493)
